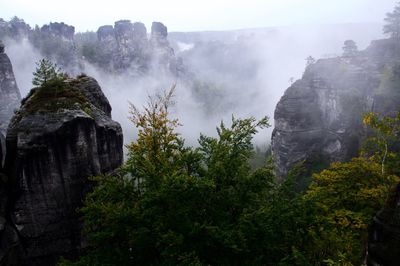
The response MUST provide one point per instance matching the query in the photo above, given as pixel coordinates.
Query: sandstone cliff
(62, 134)
(56, 42)
(9, 93)
(319, 118)
(122, 47)
(9, 101)
(9, 241)
(126, 47)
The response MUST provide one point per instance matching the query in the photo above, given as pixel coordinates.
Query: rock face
(319, 118)
(61, 30)
(16, 27)
(384, 234)
(163, 55)
(9, 101)
(54, 41)
(62, 135)
(9, 92)
(132, 44)
(9, 241)
(126, 47)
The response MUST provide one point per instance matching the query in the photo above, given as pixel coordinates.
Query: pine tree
(310, 61)
(392, 26)
(46, 71)
(350, 48)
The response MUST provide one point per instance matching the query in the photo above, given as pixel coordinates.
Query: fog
(248, 70)
(194, 15)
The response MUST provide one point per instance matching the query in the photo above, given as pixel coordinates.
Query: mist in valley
(229, 73)
(242, 74)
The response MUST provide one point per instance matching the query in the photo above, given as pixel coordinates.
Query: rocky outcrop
(384, 234)
(163, 56)
(16, 27)
(61, 30)
(126, 47)
(55, 41)
(9, 241)
(133, 47)
(62, 134)
(106, 47)
(159, 33)
(9, 93)
(319, 118)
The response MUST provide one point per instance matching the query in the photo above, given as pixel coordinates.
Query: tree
(309, 61)
(46, 71)
(175, 205)
(382, 145)
(347, 196)
(350, 49)
(392, 20)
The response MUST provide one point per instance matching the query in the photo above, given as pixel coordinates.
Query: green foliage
(347, 196)
(383, 144)
(176, 205)
(46, 72)
(226, 157)
(55, 96)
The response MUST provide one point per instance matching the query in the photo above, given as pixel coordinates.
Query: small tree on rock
(392, 26)
(310, 60)
(46, 71)
(350, 48)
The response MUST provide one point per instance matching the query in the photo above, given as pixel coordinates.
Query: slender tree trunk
(384, 159)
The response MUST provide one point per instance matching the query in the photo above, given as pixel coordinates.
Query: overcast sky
(194, 15)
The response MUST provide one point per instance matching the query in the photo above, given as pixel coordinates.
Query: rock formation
(9, 92)
(123, 47)
(55, 41)
(9, 241)
(163, 56)
(9, 101)
(62, 134)
(132, 46)
(319, 118)
(16, 27)
(126, 47)
(61, 30)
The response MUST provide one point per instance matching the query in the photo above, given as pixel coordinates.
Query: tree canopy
(176, 205)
